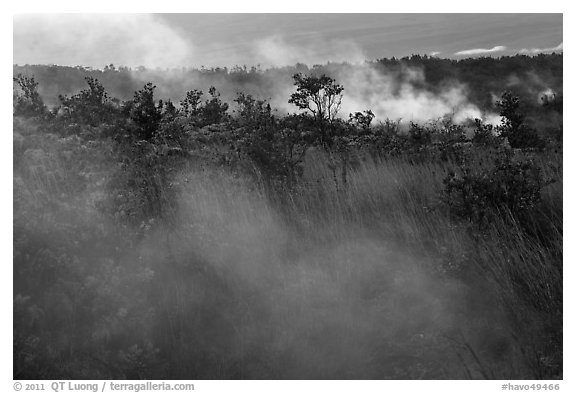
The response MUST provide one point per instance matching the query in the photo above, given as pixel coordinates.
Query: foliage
(27, 102)
(508, 186)
(252, 112)
(214, 110)
(362, 120)
(484, 77)
(321, 96)
(190, 105)
(144, 112)
(92, 106)
(518, 134)
(140, 191)
(419, 135)
(484, 134)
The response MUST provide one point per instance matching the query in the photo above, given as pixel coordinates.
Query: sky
(210, 40)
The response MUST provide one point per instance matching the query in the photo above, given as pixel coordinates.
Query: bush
(478, 193)
(519, 135)
(92, 106)
(484, 134)
(144, 112)
(27, 101)
(212, 111)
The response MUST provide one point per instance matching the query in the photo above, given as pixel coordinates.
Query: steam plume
(76, 39)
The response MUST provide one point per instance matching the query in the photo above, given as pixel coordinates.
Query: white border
(295, 6)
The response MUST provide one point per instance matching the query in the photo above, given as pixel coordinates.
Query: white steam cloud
(404, 98)
(75, 39)
(535, 51)
(480, 51)
(389, 95)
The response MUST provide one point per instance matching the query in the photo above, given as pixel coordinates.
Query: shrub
(513, 128)
(478, 193)
(27, 101)
(484, 134)
(92, 106)
(212, 111)
(144, 112)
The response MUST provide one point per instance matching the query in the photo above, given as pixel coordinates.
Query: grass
(371, 280)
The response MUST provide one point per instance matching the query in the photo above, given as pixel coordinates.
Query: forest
(397, 219)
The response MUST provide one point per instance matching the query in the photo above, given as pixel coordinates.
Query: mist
(228, 288)
(403, 97)
(82, 39)
(166, 49)
(212, 40)
(315, 311)
(398, 96)
(406, 97)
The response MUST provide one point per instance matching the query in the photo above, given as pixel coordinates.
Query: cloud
(434, 53)
(534, 51)
(98, 39)
(480, 51)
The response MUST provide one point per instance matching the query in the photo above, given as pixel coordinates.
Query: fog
(177, 40)
(403, 96)
(406, 97)
(279, 306)
(153, 41)
(86, 39)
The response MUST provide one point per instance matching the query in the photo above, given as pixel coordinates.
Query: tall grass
(372, 279)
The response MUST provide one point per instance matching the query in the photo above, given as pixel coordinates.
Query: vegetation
(213, 239)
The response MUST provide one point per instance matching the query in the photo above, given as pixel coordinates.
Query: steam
(535, 51)
(144, 39)
(480, 51)
(76, 39)
(404, 97)
(324, 311)
(548, 93)
(535, 85)
(387, 94)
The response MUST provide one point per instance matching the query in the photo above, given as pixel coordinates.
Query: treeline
(485, 76)
(528, 76)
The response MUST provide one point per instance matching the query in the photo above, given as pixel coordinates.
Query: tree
(509, 106)
(144, 112)
(91, 106)
(362, 120)
(519, 135)
(251, 112)
(27, 102)
(190, 105)
(321, 96)
(214, 110)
